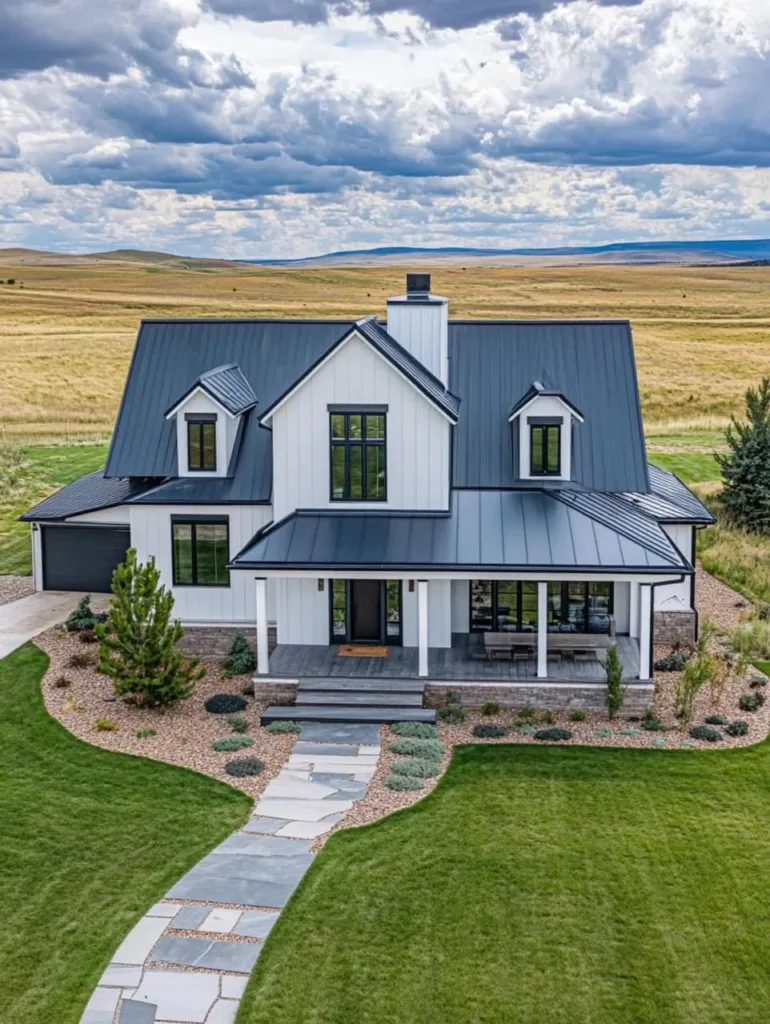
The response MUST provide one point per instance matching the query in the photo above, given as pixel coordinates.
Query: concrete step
(337, 684)
(335, 713)
(358, 698)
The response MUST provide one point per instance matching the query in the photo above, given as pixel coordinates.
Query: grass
(89, 840)
(27, 476)
(690, 467)
(67, 329)
(563, 885)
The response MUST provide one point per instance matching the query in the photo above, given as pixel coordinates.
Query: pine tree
(240, 661)
(138, 642)
(746, 468)
(616, 691)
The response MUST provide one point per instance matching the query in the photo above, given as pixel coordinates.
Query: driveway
(26, 618)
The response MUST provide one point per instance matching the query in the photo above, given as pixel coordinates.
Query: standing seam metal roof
(89, 493)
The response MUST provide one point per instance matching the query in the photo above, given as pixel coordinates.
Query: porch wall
(553, 696)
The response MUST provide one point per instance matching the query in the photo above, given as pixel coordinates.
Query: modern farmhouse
(471, 497)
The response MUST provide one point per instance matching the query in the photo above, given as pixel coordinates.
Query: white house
(451, 490)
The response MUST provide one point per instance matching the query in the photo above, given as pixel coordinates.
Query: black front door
(366, 611)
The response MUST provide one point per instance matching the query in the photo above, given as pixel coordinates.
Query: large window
(201, 551)
(202, 444)
(545, 449)
(358, 456)
(505, 606)
(508, 606)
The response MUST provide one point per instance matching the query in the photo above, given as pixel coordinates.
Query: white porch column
(422, 625)
(633, 610)
(262, 656)
(645, 626)
(542, 630)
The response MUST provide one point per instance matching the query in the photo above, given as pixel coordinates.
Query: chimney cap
(417, 285)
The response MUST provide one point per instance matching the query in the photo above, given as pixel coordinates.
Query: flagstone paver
(256, 868)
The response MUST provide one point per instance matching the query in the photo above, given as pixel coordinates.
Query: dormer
(208, 417)
(543, 419)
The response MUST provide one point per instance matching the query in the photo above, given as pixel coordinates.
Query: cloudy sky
(272, 128)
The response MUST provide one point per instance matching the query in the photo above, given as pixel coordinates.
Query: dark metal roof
(226, 385)
(88, 494)
(537, 389)
(671, 500)
(619, 515)
(592, 361)
(486, 531)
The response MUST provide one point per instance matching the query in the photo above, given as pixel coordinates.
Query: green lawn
(691, 467)
(26, 477)
(88, 841)
(540, 885)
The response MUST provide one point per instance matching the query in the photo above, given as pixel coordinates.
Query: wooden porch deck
(455, 664)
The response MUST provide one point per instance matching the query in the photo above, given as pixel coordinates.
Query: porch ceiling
(486, 531)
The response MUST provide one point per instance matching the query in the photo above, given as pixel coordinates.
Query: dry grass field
(67, 328)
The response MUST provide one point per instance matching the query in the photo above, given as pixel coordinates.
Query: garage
(82, 557)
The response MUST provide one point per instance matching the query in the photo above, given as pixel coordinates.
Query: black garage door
(82, 557)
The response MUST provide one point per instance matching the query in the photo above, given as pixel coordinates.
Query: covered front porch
(460, 663)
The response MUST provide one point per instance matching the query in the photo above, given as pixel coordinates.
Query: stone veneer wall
(214, 641)
(675, 628)
(554, 696)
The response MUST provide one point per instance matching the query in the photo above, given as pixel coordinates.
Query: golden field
(67, 328)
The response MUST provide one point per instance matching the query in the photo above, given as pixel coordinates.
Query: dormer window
(545, 448)
(201, 443)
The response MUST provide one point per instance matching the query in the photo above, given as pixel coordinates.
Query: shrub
(452, 697)
(553, 735)
(737, 729)
(758, 682)
(83, 617)
(526, 730)
(548, 718)
(651, 722)
(491, 708)
(706, 732)
(417, 767)
(452, 714)
(526, 714)
(490, 732)
(238, 723)
(751, 639)
(716, 720)
(145, 734)
(232, 743)
(420, 730)
(630, 732)
(87, 636)
(284, 727)
(105, 725)
(674, 662)
(61, 682)
(240, 660)
(697, 673)
(616, 691)
(751, 701)
(138, 647)
(225, 704)
(246, 766)
(80, 659)
(403, 782)
(577, 716)
(431, 750)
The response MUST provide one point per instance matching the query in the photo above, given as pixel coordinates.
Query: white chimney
(420, 322)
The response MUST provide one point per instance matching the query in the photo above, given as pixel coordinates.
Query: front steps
(353, 700)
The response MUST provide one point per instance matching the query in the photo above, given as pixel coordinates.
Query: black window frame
(193, 522)
(563, 605)
(545, 428)
(198, 422)
(348, 443)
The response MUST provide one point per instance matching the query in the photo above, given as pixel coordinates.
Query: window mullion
(194, 538)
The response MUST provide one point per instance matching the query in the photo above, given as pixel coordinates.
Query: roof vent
(417, 286)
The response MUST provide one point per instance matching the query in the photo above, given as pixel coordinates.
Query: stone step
(322, 685)
(354, 698)
(334, 713)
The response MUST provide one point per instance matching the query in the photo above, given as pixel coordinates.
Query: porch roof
(486, 531)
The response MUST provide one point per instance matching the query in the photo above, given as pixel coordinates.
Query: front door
(366, 611)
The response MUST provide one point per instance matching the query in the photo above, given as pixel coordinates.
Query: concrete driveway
(25, 619)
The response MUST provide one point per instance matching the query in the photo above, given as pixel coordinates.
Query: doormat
(351, 651)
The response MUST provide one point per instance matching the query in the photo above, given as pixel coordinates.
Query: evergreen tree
(138, 643)
(240, 661)
(746, 468)
(616, 691)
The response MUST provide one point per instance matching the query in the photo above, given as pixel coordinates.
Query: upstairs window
(358, 456)
(201, 551)
(545, 449)
(201, 443)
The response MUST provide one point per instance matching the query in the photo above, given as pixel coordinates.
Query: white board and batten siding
(226, 432)
(676, 597)
(233, 605)
(418, 436)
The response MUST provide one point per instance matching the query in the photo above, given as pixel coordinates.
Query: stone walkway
(188, 960)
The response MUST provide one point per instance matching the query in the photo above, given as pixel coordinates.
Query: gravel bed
(718, 602)
(184, 733)
(189, 933)
(13, 588)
